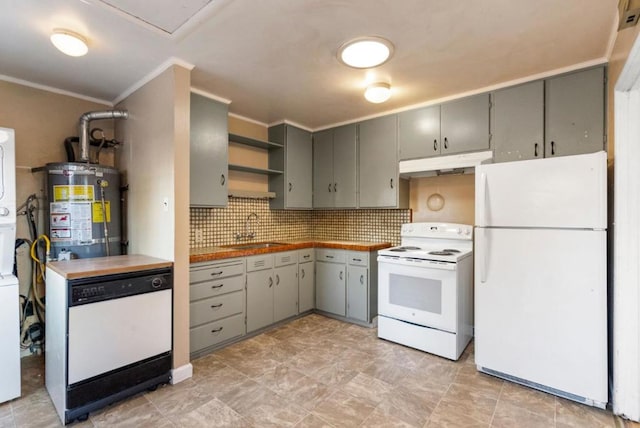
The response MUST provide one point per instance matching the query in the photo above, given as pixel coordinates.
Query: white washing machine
(9, 293)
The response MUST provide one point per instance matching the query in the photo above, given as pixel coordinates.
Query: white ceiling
(275, 59)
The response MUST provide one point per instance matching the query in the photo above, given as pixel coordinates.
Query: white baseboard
(181, 373)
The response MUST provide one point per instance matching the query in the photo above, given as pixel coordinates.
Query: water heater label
(71, 222)
(97, 211)
(76, 192)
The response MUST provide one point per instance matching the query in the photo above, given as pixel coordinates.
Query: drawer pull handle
(216, 273)
(329, 257)
(357, 260)
(219, 305)
(217, 330)
(306, 256)
(217, 286)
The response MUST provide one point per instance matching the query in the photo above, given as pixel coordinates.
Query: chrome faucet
(248, 233)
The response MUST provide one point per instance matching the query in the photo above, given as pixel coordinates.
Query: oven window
(423, 294)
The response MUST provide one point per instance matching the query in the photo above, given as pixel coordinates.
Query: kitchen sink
(257, 245)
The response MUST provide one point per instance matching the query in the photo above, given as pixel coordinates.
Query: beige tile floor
(319, 372)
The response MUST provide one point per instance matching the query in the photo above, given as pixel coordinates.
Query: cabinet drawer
(216, 332)
(259, 262)
(330, 255)
(206, 289)
(208, 310)
(306, 255)
(285, 258)
(358, 258)
(215, 271)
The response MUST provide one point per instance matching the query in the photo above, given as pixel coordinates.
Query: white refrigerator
(541, 274)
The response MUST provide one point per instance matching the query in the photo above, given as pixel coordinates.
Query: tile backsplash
(218, 226)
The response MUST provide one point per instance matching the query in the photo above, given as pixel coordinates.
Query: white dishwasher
(108, 336)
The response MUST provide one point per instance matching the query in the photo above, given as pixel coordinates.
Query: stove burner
(442, 253)
(451, 250)
(403, 249)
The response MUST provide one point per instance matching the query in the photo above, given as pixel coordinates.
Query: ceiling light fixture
(378, 92)
(69, 42)
(365, 52)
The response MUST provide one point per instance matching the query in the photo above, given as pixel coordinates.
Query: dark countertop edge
(224, 253)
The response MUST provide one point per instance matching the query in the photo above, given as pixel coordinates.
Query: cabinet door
(357, 293)
(575, 113)
(259, 299)
(323, 169)
(285, 292)
(344, 166)
(378, 166)
(330, 287)
(298, 168)
(419, 133)
(465, 124)
(208, 152)
(306, 289)
(518, 122)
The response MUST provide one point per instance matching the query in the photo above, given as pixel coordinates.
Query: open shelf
(235, 138)
(234, 167)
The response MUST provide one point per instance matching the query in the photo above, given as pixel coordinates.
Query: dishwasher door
(111, 334)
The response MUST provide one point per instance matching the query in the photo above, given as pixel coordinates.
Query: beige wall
(42, 120)
(155, 164)
(457, 192)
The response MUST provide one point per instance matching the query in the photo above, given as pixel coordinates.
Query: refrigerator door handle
(482, 197)
(481, 236)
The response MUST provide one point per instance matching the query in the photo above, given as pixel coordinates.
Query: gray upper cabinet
(518, 122)
(419, 133)
(334, 168)
(323, 169)
(208, 152)
(575, 113)
(293, 188)
(378, 175)
(464, 125)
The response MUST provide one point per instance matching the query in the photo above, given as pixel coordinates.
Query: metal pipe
(83, 127)
(103, 185)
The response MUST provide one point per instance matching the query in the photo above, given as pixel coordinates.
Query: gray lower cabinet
(574, 113)
(294, 188)
(334, 168)
(272, 292)
(378, 177)
(217, 303)
(306, 280)
(208, 152)
(331, 281)
(362, 286)
(518, 122)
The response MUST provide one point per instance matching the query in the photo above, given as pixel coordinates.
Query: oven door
(418, 291)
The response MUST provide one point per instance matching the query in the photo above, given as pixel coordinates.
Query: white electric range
(425, 288)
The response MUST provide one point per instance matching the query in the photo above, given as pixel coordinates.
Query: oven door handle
(483, 244)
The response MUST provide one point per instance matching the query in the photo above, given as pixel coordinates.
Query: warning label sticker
(97, 211)
(71, 222)
(76, 192)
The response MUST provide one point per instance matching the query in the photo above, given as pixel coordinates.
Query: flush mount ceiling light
(69, 42)
(378, 92)
(365, 52)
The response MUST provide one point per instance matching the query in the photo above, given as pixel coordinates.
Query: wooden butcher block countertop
(98, 266)
(229, 251)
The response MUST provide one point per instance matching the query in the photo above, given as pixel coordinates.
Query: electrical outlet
(199, 235)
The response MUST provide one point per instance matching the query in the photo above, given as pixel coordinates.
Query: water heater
(84, 210)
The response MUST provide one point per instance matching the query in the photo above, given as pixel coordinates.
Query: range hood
(464, 163)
